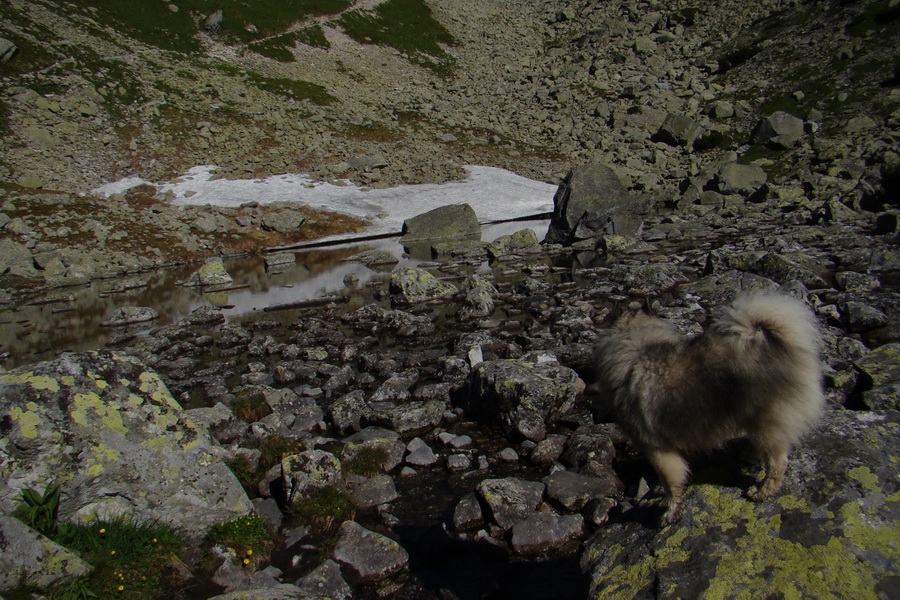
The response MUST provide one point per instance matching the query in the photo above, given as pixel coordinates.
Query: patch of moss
(313, 36)
(251, 407)
(406, 25)
(367, 461)
(292, 88)
(325, 508)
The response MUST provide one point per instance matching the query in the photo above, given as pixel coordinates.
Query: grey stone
(573, 491)
(309, 471)
(458, 462)
(325, 582)
(480, 295)
(549, 449)
(282, 591)
(212, 273)
(411, 285)
(510, 500)
(282, 221)
(406, 416)
(372, 491)
(467, 513)
(737, 178)
(780, 129)
(30, 556)
(127, 315)
(345, 412)
(591, 202)
(545, 531)
(220, 422)
(524, 241)
(368, 556)
(862, 317)
(373, 258)
(679, 130)
(376, 438)
(420, 453)
(881, 366)
(447, 222)
(279, 261)
(7, 50)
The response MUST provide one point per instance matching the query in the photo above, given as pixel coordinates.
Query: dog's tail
(773, 321)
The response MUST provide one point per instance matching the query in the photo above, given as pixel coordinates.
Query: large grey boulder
(780, 129)
(325, 581)
(510, 500)
(368, 556)
(830, 533)
(545, 531)
(679, 130)
(523, 394)
(309, 471)
(106, 428)
(444, 223)
(737, 178)
(592, 202)
(29, 555)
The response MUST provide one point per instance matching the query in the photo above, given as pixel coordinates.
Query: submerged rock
(127, 315)
(213, 272)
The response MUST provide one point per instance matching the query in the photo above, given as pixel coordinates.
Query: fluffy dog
(755, 371)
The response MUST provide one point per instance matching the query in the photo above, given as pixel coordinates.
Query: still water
(69, 319)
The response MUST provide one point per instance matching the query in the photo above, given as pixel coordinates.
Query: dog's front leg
(776, 465)
(673, 471)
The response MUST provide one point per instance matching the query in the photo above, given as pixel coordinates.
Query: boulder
(212, 273)
(592, 202)
(545, 531)
(282, 221)
(373, 258)
(446, 222)
(523, 394)
(30, 556)
(280, 261)
(678, 130)
(737, 178)
(103, 425)
(831, 531)
(325, 581)
(7, 50)
(524, 241)
(479, 301)
(510, 500)
(309, 471)
(573, 490)
(780, 129)
(368, 556)
(411, 285)
(127, 315)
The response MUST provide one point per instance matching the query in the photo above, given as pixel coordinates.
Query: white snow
(494, 194)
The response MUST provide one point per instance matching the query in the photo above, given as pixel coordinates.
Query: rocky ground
(753, 146)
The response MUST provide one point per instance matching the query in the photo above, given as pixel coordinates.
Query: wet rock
(591, 202)
(282, 260)
(127, 315)
(368, 556)
(834, 505)
(212, 273)
(309, 471)
(545, 531)
(205, 315)
(411, 285)
(524, 241)
(573, 490)
(679, 130)
(780, 129)
(510, 500)
(523, 394)
(29, 556)
(447, 222)
(372, 491)
(458, 462)
(420, 453)
(480, 294)
(373, 258)
(325, 581)
(376, 320)
(467, 513)
(103, 424)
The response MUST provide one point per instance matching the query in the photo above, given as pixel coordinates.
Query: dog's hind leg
(673, 471)
(776, 455)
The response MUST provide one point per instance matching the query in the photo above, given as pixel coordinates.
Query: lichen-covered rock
(832, 531)
(880, 373)
(446, 222)
(591, 202)
(523, 241)
(368, 556)
(325, 582)
(28, 555)
(103, 425)
(410, 285)
(510, 500)
(523, 394)
(282, 591)
(212, 273)
(736, 178)
(309, 471)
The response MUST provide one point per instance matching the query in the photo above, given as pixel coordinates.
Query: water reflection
(71, 320)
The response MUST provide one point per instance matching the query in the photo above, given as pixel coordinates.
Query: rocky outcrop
(828, 533)
(106, 428)
(456, 221)
(592, 202)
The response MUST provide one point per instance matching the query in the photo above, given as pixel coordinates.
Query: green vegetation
(251, 407)
(155, 24)
(250, 537)
(324, 509)
(39, 511)
(293, 89)
(366, 462)
(313, 36)
(406, 25)
(274, 448)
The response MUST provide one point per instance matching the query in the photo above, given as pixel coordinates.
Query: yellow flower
(102, 531)
(246, 561)
(249, 552)
(112, 552)
(154, 540)
(121, 588)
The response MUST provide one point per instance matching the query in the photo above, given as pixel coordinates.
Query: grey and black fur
(755, 371)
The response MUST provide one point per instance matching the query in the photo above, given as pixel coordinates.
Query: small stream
(69, 319)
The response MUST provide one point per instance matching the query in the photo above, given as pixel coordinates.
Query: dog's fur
(755, 371)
